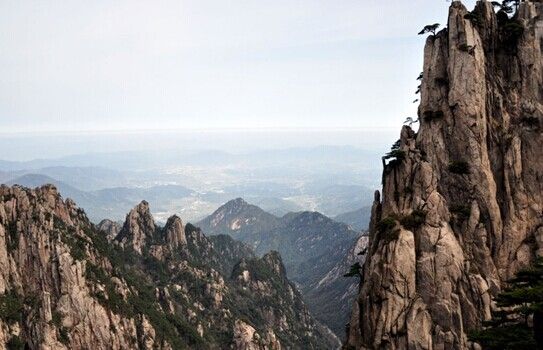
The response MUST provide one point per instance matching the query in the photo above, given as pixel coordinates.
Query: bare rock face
(45, 296)
(138, 227)
(110, 228)
(247, 338)
(462, 202)
(174, 232)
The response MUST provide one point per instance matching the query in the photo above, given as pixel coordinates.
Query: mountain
(358, 219)
(460, 211)
(239, 219)
(66, 284)
(310, 243)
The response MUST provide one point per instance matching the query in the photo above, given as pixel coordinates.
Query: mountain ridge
(65, 284)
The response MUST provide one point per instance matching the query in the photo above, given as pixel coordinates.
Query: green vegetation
(386, 229)
(460, 210)
(466, 48)
(15, 343)
(413, 220)
(431, 28)
(386, 224)
(63, 335)
(474, 17)
(355, 270)
(529, 121)
(78, 246)
(396, 155)
(459, 167)
(519, 324)
(11, 307)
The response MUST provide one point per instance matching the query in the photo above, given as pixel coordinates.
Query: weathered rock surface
(462, 206)
(110, 228)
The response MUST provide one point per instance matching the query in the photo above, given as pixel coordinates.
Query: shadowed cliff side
(462, 200)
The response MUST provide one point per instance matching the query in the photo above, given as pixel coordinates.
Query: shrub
(78, 246)
(56, 319)
(63, 335)
(521, 301)
(474, 18)
(461, 210)
(466, 48)
(413, 220)
(459, 167)
(387, 229)
(15, 343)
(354, 271)
(430, 28)
(386, 224)
(532, 122)
(11, 307)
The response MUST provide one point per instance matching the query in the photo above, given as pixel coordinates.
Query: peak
(138, 226)
(236, 202)
(173, 219)
(143, 204)
(174, 232)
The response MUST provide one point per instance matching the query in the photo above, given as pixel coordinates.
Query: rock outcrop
(138, 227)
(462, 204)
(65, 285)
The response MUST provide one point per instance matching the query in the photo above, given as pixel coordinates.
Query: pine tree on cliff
(519, 325)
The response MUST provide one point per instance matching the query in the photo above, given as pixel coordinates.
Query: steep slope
(311, 244)
(462, 201)
(64, 286)
(330, 296)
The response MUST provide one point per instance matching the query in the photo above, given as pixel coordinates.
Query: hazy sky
(109, 65)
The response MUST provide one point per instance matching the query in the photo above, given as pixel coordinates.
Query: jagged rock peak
(461, 202)
(174, 232)
(138, 227)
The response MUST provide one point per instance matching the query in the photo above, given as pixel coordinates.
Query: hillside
(462, 198)
(311, 244)
(64, 285)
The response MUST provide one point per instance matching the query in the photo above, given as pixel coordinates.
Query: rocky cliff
(65, 284)
(462, 198)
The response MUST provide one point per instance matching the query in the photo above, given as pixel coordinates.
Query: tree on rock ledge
(519, 323)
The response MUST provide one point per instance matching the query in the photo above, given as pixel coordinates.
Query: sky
(105, 65)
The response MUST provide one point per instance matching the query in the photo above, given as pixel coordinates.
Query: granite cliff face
(65, 284)
(462, 198)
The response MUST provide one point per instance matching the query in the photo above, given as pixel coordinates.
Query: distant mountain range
(358, 219)
(106, 203)
(311, 244)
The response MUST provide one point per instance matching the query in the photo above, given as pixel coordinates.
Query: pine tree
(519, 323)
